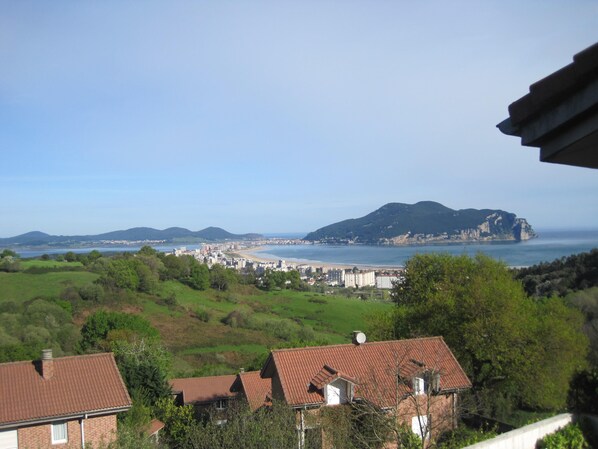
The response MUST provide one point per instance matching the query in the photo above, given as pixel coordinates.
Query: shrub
(237, 318)
(569, 437)
(203, 315)
(171, 300)
(464, 436)
(97, 326)
(91, 292)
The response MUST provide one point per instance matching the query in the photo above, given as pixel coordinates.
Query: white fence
(527, 436)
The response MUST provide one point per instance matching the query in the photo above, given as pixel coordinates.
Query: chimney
(47, 364)
(358, 338)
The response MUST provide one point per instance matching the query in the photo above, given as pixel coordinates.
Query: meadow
(207, 332)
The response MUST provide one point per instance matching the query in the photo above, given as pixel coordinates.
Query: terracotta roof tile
(375, 367)
(154, 427)
(204, 389)
(258, 390)
(328, 374)
(80, 384)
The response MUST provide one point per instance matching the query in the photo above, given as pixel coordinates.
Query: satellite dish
(359, 338)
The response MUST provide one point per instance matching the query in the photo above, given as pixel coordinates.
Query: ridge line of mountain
(422, 223)
(209, 234)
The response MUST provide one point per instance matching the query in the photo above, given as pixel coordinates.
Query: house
(204, 393)
(213, 393)
(417, 380)
(254, 388)
(64, 402)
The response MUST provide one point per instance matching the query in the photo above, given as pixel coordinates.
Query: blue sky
(276, 116)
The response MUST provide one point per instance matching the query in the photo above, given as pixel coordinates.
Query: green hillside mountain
(211, 234)
(425, 222)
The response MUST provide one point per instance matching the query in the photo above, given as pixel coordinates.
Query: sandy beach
(250, 254)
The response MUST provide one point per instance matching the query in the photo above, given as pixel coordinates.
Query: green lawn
(23, 286)
(37, 263)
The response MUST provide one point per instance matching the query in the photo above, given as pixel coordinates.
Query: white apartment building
(385, 281)
(360, 279)
(335, 277)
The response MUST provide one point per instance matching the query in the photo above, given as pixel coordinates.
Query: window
(338, 392)
(418, 385)
(221, 404)
(59, 432)
(420, 426)
(429, 382)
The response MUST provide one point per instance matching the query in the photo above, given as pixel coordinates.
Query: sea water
(548, 246)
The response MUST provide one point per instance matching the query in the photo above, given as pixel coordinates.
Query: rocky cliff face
(425, 222)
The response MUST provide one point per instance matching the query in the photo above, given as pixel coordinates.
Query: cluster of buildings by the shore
(233, 255)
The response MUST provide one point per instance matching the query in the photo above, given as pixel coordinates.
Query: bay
(550, 245)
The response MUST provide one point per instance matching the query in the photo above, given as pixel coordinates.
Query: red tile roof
(80, 384)
(327, 375)
(258, 390)
(374, 367)
(204, 389)
(154, 427)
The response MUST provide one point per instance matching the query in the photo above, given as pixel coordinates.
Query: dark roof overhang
(560, 113)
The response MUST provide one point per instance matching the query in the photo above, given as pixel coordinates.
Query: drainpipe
(302, 434)
(82, 423)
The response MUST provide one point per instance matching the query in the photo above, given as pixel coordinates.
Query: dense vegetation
(517, 351)
(425, 217)
(213, 321)
(570, 437)
(165, 316)
(561, 276)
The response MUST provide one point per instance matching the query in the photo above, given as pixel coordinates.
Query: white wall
(527, 436)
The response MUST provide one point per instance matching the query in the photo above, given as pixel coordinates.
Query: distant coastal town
(241, 257)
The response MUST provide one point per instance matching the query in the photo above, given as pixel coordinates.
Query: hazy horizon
(266, 116)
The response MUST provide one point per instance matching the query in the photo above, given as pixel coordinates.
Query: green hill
(210, 234)
(425, 222)
(194, 325)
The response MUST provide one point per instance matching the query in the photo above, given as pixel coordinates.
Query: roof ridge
(369, 343)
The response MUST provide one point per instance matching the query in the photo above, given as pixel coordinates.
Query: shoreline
(250, 254)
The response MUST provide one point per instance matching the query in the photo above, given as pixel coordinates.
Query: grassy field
(37, 263)
(203, 344)
(23, 286)
(192, 328)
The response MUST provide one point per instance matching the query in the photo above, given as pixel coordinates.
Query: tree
(144, 366)
(8, 253)
(9, 263)
(97, 327)
(199, 276)
(121, 273)
(175, 267)
(495, 331)
(179, 421)
(267, 428)
(222, 278)
(70, 257)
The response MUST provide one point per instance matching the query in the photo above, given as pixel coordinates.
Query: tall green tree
(222, 278)
(96, 330)
(144, 366)
(500, 336)
(199, 276)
